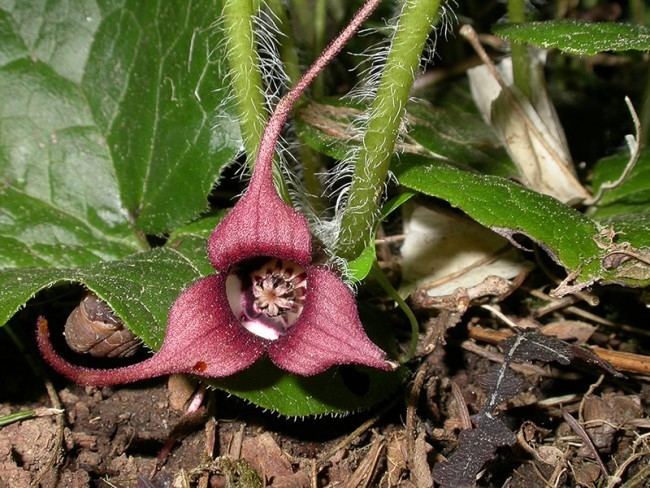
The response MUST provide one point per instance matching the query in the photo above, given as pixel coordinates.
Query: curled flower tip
(199, 340)
(89, 376)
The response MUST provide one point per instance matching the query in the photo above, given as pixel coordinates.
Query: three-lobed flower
(267, 297)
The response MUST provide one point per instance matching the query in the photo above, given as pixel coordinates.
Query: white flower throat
(267, 295)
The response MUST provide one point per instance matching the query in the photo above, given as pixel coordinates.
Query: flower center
(267, 295)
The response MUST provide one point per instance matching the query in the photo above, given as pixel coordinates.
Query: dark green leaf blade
(191, 241)
(572, 239)
(140, 288)
(49, 206)
(155, 87)
(634, 191)
(137, 88)
(338, 391)
(579, 38)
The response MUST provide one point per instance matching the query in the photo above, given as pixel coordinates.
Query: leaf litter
(515, 400)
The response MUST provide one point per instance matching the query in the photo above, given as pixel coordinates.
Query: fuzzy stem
(264, 160)
(386, 114)
(246, 78)
(519, 51)
(308, 158)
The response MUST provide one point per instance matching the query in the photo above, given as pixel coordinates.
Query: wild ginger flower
(267, 297)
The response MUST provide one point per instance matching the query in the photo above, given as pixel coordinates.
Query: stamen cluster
(279, 289)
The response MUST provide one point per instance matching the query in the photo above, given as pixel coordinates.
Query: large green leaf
(572, 239)
(111, 116)
(140, 288)
(581, 38)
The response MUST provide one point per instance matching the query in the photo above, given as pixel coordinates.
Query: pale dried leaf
(443, 252)
(530, 130)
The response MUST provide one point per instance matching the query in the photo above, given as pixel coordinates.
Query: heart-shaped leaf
(112, 118)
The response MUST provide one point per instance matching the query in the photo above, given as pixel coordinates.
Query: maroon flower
(267, 298)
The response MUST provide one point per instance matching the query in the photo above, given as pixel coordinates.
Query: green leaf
(394, 203)
(338, 391)
(112, 113)
(140, 289)
(633, 194)
(572, 239)
(633, 228)
(579, 38)
(191, 240)
(53, 213)
(453, 131)
(359, 267)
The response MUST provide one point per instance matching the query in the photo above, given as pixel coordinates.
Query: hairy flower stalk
(245, 75)
(267, 297)
(386, 112)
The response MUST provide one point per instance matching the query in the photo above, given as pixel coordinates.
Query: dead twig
(588, 315)
(622, 361)
(365, 472)
(577, 428)
(411, 407)
(354, 434)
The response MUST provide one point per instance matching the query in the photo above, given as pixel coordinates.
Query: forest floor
(574, 426)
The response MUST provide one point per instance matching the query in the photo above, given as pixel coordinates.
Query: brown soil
(138, 436)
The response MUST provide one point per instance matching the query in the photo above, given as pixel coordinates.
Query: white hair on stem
(274, 79)
(370, 70)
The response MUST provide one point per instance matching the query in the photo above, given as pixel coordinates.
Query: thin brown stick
(412, 405)
(355, 433)
(623, 361)
(590, 316)
(578, 429)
